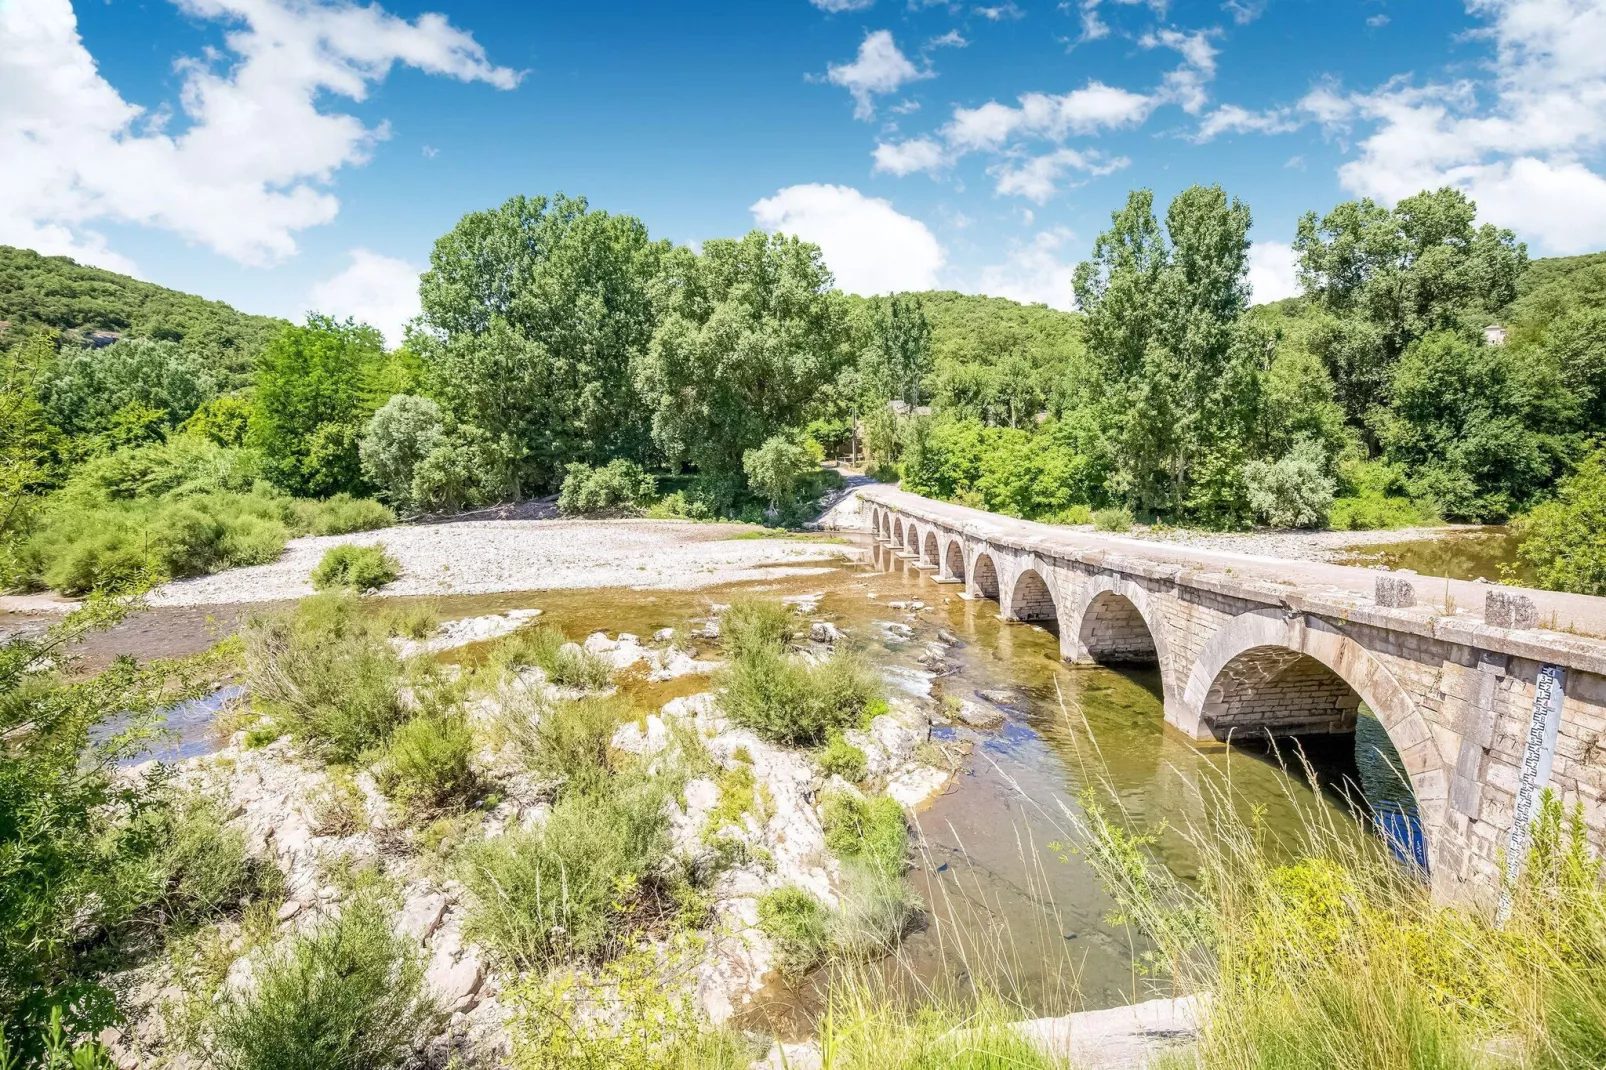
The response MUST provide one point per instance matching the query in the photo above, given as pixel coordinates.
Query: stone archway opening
(1114, 632)
(984, 577)
(928, 554)
(1296, 710)
(897, 532)
(911, 541)
(1031, 600)
(953, 562)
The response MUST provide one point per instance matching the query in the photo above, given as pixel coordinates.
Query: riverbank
(490, 556)
(1331, 547)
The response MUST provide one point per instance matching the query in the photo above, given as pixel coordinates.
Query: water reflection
(1488, 553)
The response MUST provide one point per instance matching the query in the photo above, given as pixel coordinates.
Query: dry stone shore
(487, 556)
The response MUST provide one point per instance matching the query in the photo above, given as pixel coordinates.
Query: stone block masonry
(1257, 645)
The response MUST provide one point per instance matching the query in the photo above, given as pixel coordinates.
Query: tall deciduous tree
(899, 354)
(1174, 365)
(313, 393)
(538, 311)
(752, 329)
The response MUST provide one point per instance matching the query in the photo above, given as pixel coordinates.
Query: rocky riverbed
(319, 825)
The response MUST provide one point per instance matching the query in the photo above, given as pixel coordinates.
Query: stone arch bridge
(1257, 645)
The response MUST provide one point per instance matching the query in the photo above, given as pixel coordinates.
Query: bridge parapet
(1249, 644)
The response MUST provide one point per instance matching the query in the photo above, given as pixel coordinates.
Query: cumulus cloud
(1231, 119)
(999, 12)
(1273, 271)
(259, 141)
(908, 157)
(1088, 110)
(1037, 179)
(842, 5)
(1185, 85)
(380, 291)
(870, 246)
(879, 68)
(1036, 272)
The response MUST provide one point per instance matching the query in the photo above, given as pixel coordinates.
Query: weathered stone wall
(1236, 655)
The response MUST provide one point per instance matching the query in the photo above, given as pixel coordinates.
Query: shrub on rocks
(798, 925)
(348, 995)
(843, 759)
(545, 646)
(871, 831)
(203, 863)
(574, 739)
(427, 762)
(749, 625)
(787, 700)
(618, 487)
(326, 673)
(357, 568)
(1116, 518)
(576, 884)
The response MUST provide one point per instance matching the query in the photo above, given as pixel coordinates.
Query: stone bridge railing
(1248, 644)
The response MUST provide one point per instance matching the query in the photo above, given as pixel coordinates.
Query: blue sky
(290, 154)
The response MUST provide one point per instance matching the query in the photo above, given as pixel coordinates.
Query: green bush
(353, 567)
(875, 910)
(573, 740)
(1376, 512)
(1293, 492)
(1115, 518)
(871, 831)
(787, 700)
(751, 624)
(340, 514)
(620, 486)
(1565, 539)
(325, 672)
(204, 864)
(427, 761)
(574, 885)
(776, 469)
(412, 620)
(844, 759)
(1071, 516)
(798, 925)
(545, 646)
(348, 995)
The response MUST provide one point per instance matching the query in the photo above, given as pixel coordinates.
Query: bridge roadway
(1256, 644)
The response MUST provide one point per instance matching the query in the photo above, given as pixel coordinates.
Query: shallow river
(995, 863)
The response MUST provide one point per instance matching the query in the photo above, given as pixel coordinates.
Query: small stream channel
(995, 866)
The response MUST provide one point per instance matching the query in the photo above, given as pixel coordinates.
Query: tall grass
(545, 646)
(795, 702)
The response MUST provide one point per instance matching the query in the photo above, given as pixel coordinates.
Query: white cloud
(1273, 271)
(879, 68)
(1244, 12)
(1518, 144)
(951, 39)
(380, 291)
(1000, 12)
(1037, 179)
(1087, 110)
(908, 157)
(842, 5)
(1377, 22)
(870, 246)
(1231, 119)
(1186, 84)
(1094, 27)
(259, 141)
(1034, 273)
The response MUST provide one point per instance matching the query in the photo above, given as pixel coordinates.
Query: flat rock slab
(1120, 1038)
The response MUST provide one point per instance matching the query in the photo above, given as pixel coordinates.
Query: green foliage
(750, 332)
(78, 864)
(544, 308)
(348, 995)
(843, 759)
(898, 357)
(875, 910)
(787, 700)
(87, 388)
(546, 647)
(579, 884)
(339, 515)
(325, 672)
(52, 293)
(870, 831)
(396, 438)
(776, 469)
(426, 764)
(799, 926)
(1293, 492)
(222, 421)
(573, 740)
(751, 625)
(1564, 540)
(353, 567)
(1115, 518)
(1373, 497)
(204, 863)
(1019, 473)
(618, 487)
(312, 397)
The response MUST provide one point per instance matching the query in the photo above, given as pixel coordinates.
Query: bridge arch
(897, 531)
(1298, 674)
(1114, 621)
(911, 539)
(953, 561)
(983, 577)
(928, 552)
(1030, 598)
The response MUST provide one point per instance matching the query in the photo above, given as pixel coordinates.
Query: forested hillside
(56, 293)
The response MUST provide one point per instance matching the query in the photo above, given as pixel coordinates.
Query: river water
(1007, 895)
